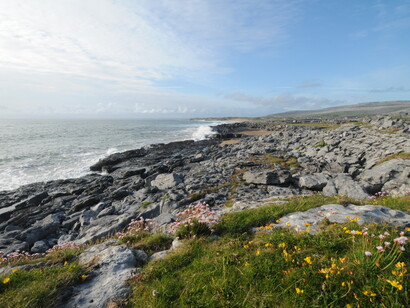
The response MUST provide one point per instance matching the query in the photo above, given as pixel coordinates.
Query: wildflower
(246, 264)
(408, 229)
(357, 261)
(308, 229)
(278, 221)
(288, 224)
(65, 263)
(83, 277)
(401, 240)
(369, 293)
(258, 252)
(395, 284)
(348, 306)
(401, 248)
(246, 246)
(308, 260)
(367, 253)
(387, 244)
(380, 248)
(400, 265)
(6, 280)
(14, 270)
(342, 260)
(268, 245)
(299, 291)
(307, 224)
(282, 245)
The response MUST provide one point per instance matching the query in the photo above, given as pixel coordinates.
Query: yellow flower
(408, 229)
(400, 265)
(342, 260)
(288, 223)
(278, 221)
(307, 229)
(396, 273)
(6, 280)
(307, 224)
(246, 264)
(282, 245)
(258, 252)
(348, 306)
(83, 277)
(395, 284)
(369, 293)
(344, 228)
(15, 270)
(299, 291)
(65, 263)
(246, 246)
(268, 245)
(357, 261)
(308, 260)
(250, 242)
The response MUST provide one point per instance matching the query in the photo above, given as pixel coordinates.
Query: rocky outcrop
(157, 181)
(310, 220)
(111, 265)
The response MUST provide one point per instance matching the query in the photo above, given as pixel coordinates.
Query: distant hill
(350, 111)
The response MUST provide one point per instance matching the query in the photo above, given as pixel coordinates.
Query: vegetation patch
(270, 160)
(38, 287)
(405, 155)
(342, 266)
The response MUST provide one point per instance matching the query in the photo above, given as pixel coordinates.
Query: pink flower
(380, 248)
(387, 244)
(401, 248)
(367, 253)
(401, 240)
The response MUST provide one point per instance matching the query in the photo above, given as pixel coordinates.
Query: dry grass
(229, 142)
(405, 155)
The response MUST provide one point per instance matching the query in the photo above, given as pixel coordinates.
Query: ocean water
(43, 150)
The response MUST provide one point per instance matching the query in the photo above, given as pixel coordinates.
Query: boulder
(314, 182)
(271, 177)
(375, 178)
(337, 213)
(346, 186)
(112, 266)
(167, 180)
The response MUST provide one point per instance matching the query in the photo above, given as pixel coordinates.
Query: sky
(199, 58)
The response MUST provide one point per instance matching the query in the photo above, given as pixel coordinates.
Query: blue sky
(187, 58)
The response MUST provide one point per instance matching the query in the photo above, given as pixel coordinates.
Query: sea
(43, 150)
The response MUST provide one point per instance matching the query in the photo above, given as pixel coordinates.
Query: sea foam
(203, 132)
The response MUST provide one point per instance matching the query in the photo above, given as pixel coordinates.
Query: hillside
(350, 111)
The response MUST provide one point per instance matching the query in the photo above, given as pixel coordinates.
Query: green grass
(150, 243)
(405, 155)
(329, 270)
(146, 203)
(38, 287)
(269, 160)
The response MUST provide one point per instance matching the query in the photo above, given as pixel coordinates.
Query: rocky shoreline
(261, 161)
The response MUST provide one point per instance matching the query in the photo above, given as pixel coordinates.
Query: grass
(405, 155)
(269, 160)
(277, 269)
(270, 268)
(38, 287)
(322, 143)
(150, 243)
(146, 203)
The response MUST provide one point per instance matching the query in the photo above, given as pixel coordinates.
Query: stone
(82, 203)
(39, 247)
(167, 181)
(336, 213)
(347, 187)
(376, 177)
(159, 255)
(274, 177)
(112, 266)
(314, 182)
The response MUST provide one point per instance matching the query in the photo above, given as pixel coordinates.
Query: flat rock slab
(113, 265)
(337, 213)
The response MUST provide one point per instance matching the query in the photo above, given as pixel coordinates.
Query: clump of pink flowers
(24, 255)
(199, 213)
(138, 226)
